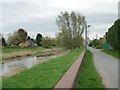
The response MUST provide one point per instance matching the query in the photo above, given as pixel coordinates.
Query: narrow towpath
(107, 66)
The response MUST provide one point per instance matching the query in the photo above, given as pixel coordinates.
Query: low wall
(69, 80)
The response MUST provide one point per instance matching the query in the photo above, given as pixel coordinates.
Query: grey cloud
(119, 10)
(40, 16)
(34, 26)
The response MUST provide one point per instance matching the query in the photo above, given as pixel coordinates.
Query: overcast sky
(39, 16)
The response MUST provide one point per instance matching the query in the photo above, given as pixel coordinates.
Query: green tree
(59, 39)
(71, 26)
(46, 42)
(113, 35)
(96, 43)
(38, 39)
(17, 37)
(3, 42)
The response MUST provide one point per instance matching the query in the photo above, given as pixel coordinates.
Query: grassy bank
(89, 78)
(114, 53)
(18, 49)
(45, 75)
(12, 53)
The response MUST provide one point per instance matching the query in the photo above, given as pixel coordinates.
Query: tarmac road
(107, 66)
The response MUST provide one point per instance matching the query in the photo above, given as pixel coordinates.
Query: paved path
(107, 66)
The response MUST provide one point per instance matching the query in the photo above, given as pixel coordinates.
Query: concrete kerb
(70, 78)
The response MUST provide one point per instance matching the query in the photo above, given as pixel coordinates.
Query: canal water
(13, 67)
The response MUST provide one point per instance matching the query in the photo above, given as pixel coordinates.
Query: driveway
(107, 66)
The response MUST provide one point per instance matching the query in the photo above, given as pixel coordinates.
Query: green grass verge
(18, 49)
(44, 75)
(113, 53)
(89, 78)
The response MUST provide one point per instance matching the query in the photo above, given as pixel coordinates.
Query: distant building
(27, 44)
(24, 44)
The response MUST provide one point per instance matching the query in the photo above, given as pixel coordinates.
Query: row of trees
(71, 26)
(111, 38)
(97, 43)
(20, 36)
(113, 35)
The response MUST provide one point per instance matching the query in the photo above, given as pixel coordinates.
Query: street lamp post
(86, 36)
(88, 30)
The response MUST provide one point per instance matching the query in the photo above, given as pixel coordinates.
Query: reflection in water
(10, 68)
